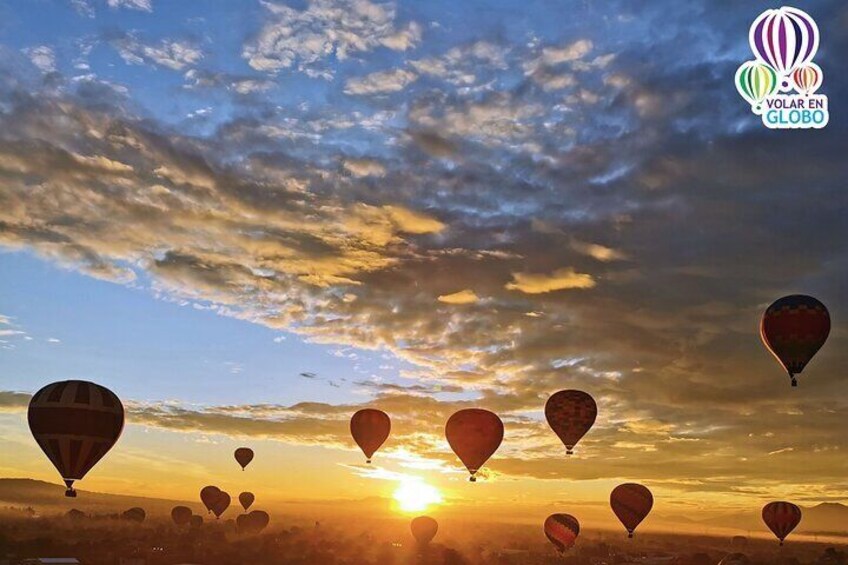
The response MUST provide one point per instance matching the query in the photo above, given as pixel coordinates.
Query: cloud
(142, 5)
(171, 54)
(466, 296)
(325, 29)
(42, 57)
(561, 279)
(364, 168)
(382, 82)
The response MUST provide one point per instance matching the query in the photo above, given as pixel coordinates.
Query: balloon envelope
(181, 515)
(424, 529)
(75, 423)
(781, 518)
(208, 495)
(794, 328)
(134, 515)
(807, 78)
(570, 413)
(220, 504)
(474, 435)
(755, 81)
(370, 428)
(784, 38)
(244, 455)
(631, 502)
(252, 523)
(246, 499)
(562, 530)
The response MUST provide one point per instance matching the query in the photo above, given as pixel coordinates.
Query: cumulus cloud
(466, 296)
(561, 279)
(171, 54)
(42, 57)
(142, 5)
(304, 39)
(380, 82)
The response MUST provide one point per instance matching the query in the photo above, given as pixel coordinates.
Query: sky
(250, 219)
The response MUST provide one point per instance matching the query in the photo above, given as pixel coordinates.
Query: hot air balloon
(562, 530)
(369, 429)
(735, 559)
(75, 423)
(423, 529)
(246, 499)
(221, 503)
(252, 523)
(807, 78)
(784, 38)
(781, 518)
(474, 435)
(244, 455)
(134, 515)
(570, 413)
(794, 328)
(755, 81)
(196, 521)
(631, 502)
(181, 515)
(208, 496)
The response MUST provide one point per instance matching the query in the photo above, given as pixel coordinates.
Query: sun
(414, 495)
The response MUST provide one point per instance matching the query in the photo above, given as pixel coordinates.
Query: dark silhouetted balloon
(562, 530)
(781, 518)
(735, 559)
(370, 428)
(243, 455)
(252, 523)
(570, 413)
(474, 435)
(181, 515)
(246, 499)
(208, 495)
(424, 529)
(631, 502)
(220, 504)
(134, 515)
(75, 423)
(196, 521)
(794, 328)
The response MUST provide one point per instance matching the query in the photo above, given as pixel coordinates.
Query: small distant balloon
(423, 529)
(562, 530)
(781, 518)
(181, 515)
(134, 515)
(243, 455)
(252, 523)
(794, 328)
(474, 435)
(246, 499)
(75, 424)
(208, 495)
(631, 503)
(196, 521)
(571, 413)
(220, 504)
(370, 428)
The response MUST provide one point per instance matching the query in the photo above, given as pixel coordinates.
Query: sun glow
(414, 495)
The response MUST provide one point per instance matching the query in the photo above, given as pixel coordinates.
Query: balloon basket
(472, 479)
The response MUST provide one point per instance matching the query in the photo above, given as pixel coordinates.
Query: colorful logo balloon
(784, 38)
(755, 81)
(807, 79)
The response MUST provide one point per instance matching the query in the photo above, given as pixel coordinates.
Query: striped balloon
(781, 518)
(755, 81)
(784, 38)
(562, 530)
(631, 503)
(808, 78)
(75, 423)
